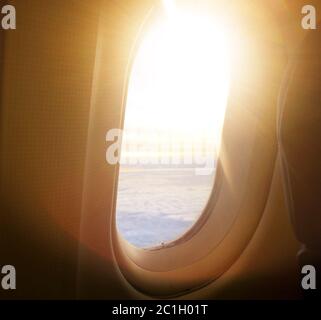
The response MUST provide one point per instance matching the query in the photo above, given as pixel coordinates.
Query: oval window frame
(154, 14)
(169, 270)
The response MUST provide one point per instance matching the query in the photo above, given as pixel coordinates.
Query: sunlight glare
(180, 79)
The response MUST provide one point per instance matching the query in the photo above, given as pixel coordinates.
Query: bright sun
(180, 79)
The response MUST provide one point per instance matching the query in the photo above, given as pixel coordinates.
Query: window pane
(175, 109)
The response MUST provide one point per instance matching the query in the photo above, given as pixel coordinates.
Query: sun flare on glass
(176, 101)
(179, 80)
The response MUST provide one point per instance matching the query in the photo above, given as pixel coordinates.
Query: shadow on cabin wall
(46, 262)
(46, 74)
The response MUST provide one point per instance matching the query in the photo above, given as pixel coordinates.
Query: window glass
(176, 100)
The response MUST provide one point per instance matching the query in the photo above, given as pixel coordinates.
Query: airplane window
(176, 100)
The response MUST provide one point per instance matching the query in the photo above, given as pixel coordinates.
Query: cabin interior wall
(45, 99)
(48, 78)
